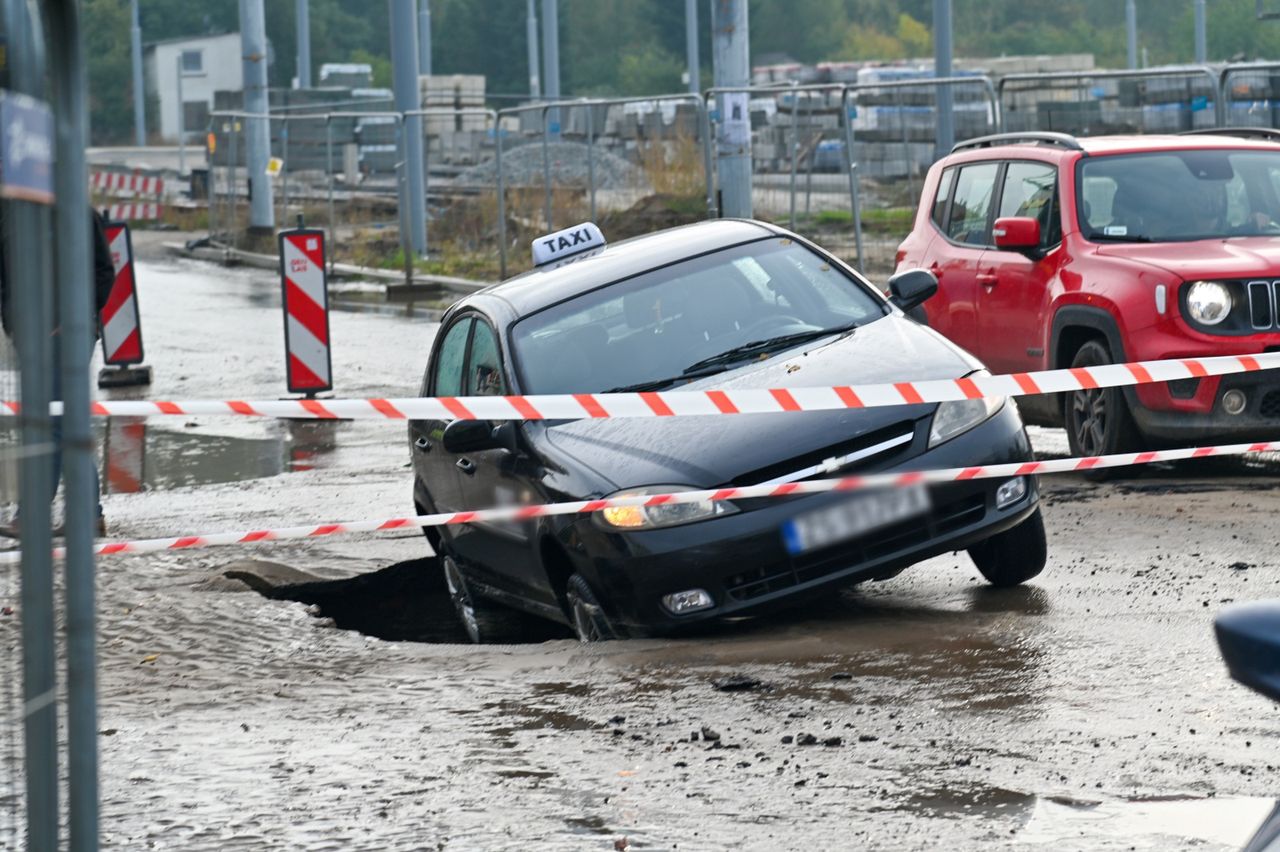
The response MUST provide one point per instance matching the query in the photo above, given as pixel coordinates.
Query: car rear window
(971, 207)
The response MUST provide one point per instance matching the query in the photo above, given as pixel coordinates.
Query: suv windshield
(1180, 195)
(654, 329)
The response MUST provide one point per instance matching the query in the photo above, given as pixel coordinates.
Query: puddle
(965, 802)
(1228, 821)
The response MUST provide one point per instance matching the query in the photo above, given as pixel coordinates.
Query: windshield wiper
(656, 384)
(769, 344)
(1118, 238)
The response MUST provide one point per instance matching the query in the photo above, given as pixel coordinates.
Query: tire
(586, 617)
(1013, 556)
(486, 622)
(1098, 421)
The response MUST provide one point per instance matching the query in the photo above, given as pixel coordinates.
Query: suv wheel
(1014, 556)
(1098, 420)
(486, 622)
(585, 614)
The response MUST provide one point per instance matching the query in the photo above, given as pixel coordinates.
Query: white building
(208, 64)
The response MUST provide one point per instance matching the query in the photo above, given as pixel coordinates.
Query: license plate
(854, 517)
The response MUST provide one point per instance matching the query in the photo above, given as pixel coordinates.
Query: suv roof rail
(1267, 134)
(1062, 140)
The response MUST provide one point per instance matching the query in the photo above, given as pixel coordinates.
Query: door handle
(421, 443)
(987, 279)
(466, 465)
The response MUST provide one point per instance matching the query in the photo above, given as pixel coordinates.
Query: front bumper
(742, 561)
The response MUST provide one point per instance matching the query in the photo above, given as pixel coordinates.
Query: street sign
(26, 149)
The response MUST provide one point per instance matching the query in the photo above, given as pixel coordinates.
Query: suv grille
(1270, 406)
(1263, 299)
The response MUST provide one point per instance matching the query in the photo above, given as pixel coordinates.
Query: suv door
(433, 467)
(964, 218)
(1013, 287)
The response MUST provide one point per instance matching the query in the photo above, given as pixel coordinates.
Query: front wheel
(1098, 419)
(486, 622)
(585, 613)
(1013, 556)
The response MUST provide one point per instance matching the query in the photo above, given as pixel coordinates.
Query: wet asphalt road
(1088, 710)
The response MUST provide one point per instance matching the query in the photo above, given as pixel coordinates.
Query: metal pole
(182, 121)
(1131, 30)
(253, 42)
(27, 224)
(945, 137)
(591, 159)
(302, 9)
(546, 163)
(404, 74)
(691, 46)
(74, 285)
(284, 169)
(502, 192)
(1202, 50)
(846, 120)
(551, 58)
(233, 190)
(732, 68)
(328, 156)
(531, 29)
(139, 89)
(424, 38)
(795, 150)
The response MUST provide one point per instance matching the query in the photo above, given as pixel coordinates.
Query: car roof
(543, 286)
(1102, 146)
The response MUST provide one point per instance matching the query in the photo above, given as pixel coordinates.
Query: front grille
(1270, 405)
(903, 430)
(943, 520)
(1263, 299)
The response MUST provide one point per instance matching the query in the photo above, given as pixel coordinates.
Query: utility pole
(731, 61)
(404, 79)
(424, 38)
(182, 119)
(691, 45)
(253, 49)
(1131, 30)
(303, 12)
(945, 137)
(1202, 51)
(551, 60)
(139, 91)
(535, 87)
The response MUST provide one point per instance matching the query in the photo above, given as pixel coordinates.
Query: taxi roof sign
(567, 243)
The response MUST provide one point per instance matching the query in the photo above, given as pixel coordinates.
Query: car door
(966, 228)
(502, 553)
(1013, 286)
(445, 376)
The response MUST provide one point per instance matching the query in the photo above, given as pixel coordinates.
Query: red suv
(1052, 251)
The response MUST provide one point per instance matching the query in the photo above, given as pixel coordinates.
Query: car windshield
(652, 329)
(1177, 196)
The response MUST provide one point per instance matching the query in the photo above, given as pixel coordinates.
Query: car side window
(971, 205)
(939, 214)
(1030, 191)
(451, 359)
(484, 375)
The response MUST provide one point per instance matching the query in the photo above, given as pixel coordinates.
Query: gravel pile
(522, 166)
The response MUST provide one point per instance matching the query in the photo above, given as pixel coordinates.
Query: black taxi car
(720, 304)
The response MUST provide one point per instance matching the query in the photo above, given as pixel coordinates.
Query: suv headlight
(662, 515)
(960, 415)
(1208, 302)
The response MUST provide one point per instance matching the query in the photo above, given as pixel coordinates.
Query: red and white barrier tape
(789, 489)
(582, 406)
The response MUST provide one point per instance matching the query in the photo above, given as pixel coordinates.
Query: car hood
(1239, 257)
(707, 451)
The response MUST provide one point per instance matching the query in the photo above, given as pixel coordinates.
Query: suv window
(971, 206)
(484, 376)
(939, 214)
(1030, 190)
(453, 351)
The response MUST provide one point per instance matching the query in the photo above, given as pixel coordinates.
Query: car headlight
(1208, 302)
(662, 515)
(960, 415)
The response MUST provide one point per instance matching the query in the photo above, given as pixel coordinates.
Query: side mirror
(1016, 233)
(1249, 638)
(469, 436)
(912, 288)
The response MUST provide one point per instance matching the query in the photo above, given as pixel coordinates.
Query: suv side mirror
(1016, 233)
(1249, 638)
(912, 288)
(469, 436)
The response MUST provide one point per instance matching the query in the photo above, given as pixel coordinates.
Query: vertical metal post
(732, 68)
(302, 11)
(906, 141)
(795, 150)
(591, 158)
(233, 191)
(75, 315)
(284, 168)
(28, 224)
(424, 38)
(846, 120)
(1131, 31)
(531, 30)
(808, 171)
(691, 46)
(404, 74)
(253, 42)
(502, 193)
(546, 163)
(212, 189)
(328, 156)
(551, 58)
(182, 121)
(1202, 50)
(945, 138)
(139, 88)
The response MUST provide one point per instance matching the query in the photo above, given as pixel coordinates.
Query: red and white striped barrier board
(789, 489)
(309, 366)
(134, 212)
(122, 183)
(124, 453)
(121, 322)
(583, 406)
